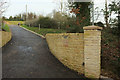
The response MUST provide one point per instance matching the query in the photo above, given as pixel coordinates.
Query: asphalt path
(28, 56)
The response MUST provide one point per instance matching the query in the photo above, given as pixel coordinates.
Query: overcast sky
(39, 6)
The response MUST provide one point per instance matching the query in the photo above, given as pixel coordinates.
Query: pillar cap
(92, 28)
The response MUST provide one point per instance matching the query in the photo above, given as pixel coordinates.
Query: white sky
(37, 6)
(40, 6)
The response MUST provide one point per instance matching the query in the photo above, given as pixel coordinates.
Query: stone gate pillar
(92, 51)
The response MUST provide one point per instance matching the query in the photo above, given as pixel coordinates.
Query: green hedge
(45, 22)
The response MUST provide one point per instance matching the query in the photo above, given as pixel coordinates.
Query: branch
(2, 7)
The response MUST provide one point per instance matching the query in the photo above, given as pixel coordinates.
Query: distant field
(44, 31)
(14, 22)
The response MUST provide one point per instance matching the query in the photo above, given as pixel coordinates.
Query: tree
(119, 17)
(35, 16)
(16, 18)
(3, 6)
(24, 16)
(106, 14)
(61, 6)
(97, 14)
(110, 10)
(61, 19)
(82, 13)
(49, 15)
(61, 11)
(30, 16)
(10, 18)
(114, 7)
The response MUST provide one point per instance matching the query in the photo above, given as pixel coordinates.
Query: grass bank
(6, 28)
(44, 31)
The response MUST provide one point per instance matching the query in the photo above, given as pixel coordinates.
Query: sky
(43, 7)
(38, 6)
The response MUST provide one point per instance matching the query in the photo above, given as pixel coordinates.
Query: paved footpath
(27, 56)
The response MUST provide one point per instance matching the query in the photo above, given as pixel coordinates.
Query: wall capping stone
(92, 28)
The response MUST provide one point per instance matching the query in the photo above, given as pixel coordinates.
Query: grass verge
(6, 28)
(44, 31)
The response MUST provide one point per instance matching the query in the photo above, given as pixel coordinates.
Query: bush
(115, 31)
(45, 22)
(100, 24)
(110, 53)
(32, 22)
(75, 29)
(72, 27)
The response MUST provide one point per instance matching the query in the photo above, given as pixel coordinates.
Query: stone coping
(92, 28)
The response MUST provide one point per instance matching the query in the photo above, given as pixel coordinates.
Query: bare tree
(97, 14)
(3, 6)
(106, 14)
(62, 6)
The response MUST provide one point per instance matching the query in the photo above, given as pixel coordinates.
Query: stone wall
(0, 39)
(68, 48)
(5, 37)
(92, 50)
(78, 51)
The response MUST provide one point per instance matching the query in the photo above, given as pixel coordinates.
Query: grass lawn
(6, 28)
(44, 31)
(14, 22)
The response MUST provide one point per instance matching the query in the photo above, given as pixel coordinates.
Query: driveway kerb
(33, 32)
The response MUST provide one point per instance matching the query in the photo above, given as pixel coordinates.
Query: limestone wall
(0, 39)
(5, 37)
(68, 48)
(78, 51)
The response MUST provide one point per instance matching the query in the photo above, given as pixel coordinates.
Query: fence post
(92, 51)
(39, 26)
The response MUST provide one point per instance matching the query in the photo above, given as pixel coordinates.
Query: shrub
(110, 52)
(115, 31)
(100, 24)
(32, 22)
(75, 29)
(45, 22)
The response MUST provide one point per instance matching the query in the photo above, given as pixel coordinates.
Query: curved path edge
(33, 32)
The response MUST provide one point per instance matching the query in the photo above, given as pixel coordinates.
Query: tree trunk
(119, 21)
(106, 14)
